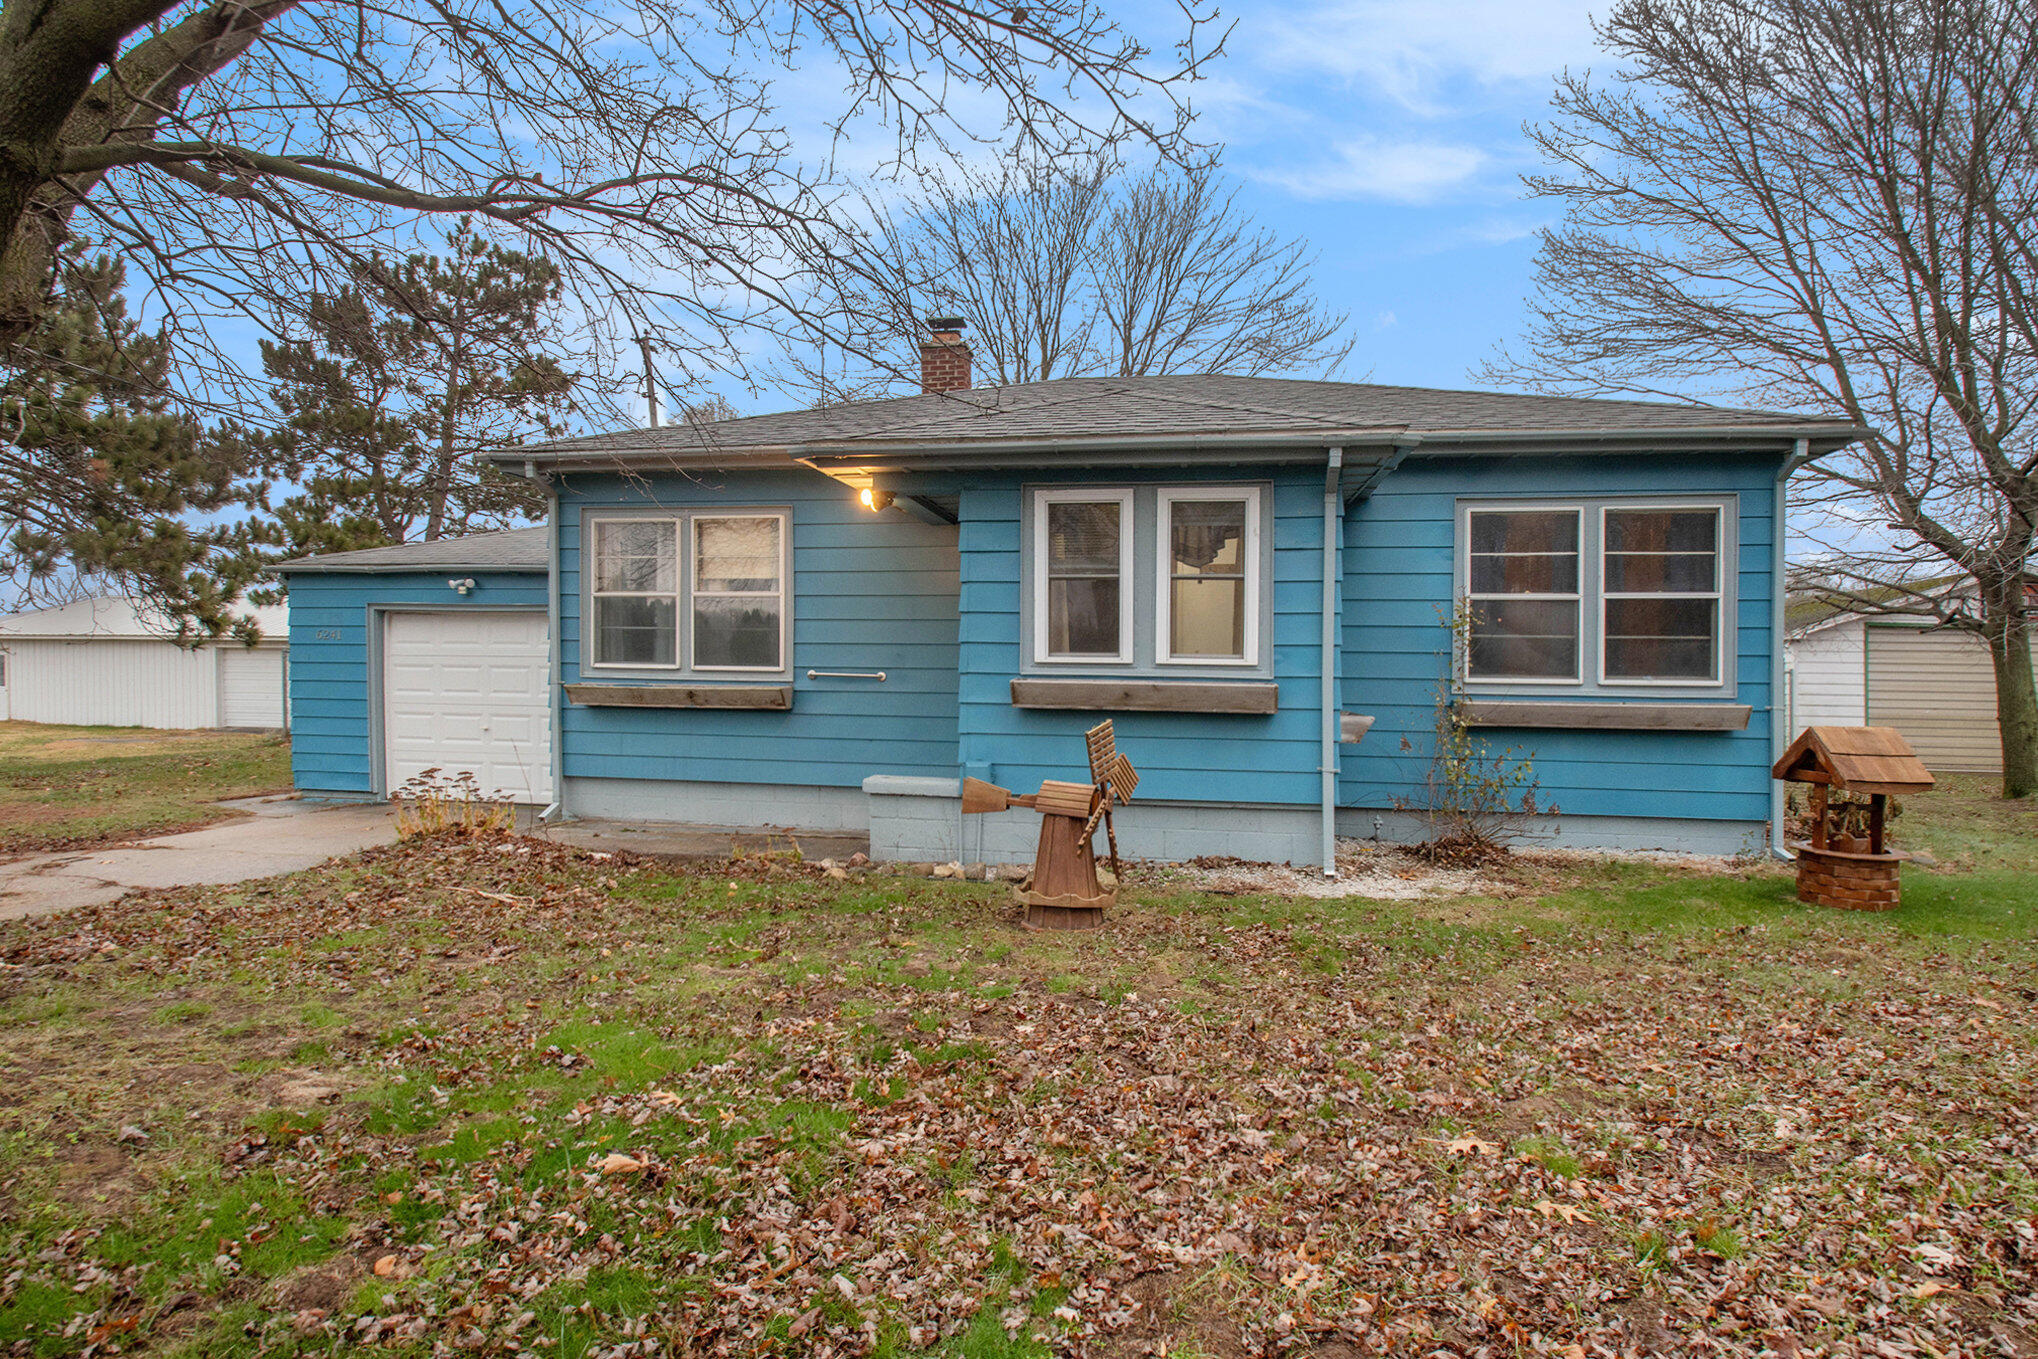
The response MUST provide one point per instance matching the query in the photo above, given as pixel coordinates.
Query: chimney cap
(940, 323)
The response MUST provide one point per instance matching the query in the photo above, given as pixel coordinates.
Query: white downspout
(1333, 529)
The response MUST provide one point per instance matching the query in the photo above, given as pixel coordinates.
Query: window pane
(1658, 573)
(634, 631)
(1524, 639)
(1082, 616)
(736, 554)
(635, 556)
(1082, 538)
(1206, 536)
(1208, 617)
(736, 632)
(1524, 531)
(1661, 638)
(1524, 552)
(1662, 530)
(1538, 575)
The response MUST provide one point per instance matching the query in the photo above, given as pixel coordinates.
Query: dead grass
(83, 787)
(483, 1094)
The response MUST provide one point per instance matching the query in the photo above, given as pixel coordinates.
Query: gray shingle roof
(522, 549)
(1099, 410)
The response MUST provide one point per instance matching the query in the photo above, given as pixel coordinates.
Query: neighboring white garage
(111, 662)
(1935, 685)
(465, 692)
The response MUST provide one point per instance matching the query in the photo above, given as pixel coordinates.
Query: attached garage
(464, 692)
(112, 662)
(428, 656)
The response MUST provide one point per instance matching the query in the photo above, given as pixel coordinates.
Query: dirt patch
(327, 1286)
(96, 1176)
(1380, 873)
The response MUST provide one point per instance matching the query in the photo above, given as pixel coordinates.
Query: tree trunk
(2008, 632)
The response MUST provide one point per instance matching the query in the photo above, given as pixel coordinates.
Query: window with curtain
(1085, 546)
(635, 593)
(738, 593)
(1523, 588)
(1207, 566)
(1660, 595)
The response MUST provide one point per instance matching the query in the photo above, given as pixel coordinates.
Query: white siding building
(108, 662)
(1935, 685)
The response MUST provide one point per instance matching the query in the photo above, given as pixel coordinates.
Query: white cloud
(1386, 320)
(1408, 50)
(1376, 168)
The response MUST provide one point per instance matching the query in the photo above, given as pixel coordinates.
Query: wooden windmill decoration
(1064, 893)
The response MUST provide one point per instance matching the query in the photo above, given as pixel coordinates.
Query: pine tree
(103, 472)
(393, 385)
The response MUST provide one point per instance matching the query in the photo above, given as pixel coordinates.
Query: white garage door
(466, 692)
(250, 686)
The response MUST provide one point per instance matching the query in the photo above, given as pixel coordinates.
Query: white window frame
(592, 566)
(782, 594)
(1717, 595)
(1165, 498)
(683, 648)
(1127, 584)
(1576, 597)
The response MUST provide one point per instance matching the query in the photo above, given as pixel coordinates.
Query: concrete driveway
(281, 835)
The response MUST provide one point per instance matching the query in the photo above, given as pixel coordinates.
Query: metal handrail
(877, 675)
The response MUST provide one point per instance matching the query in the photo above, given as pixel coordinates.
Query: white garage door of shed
(250, 686)
(1939, 690)
(466, 692)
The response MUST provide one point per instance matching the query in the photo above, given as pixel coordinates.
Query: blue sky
(1388, 135)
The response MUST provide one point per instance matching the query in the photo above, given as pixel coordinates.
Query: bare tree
(1064, 270)
(1830, 204)
(242, 154)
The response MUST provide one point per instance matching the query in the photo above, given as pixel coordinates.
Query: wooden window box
(1146, 696)
(1618, 716)
(778, 697)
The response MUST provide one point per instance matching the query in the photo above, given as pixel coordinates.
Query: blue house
(826, 618)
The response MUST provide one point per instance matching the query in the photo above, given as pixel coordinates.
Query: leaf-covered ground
(503, 1098)
(77, 787)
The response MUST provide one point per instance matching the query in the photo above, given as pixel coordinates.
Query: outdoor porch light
(874, 499)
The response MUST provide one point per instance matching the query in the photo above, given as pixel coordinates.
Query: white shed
(1935, 685)
(110, 662)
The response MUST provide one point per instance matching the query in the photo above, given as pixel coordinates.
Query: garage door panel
(467, 693)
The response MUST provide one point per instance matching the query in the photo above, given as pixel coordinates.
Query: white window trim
(1164, 498)
(683, 619)
(1717, 595)
(1127, 586)
(677, 594)
(781, 594)
(1575, 598)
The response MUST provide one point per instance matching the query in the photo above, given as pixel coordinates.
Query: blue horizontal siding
(1398, 584)
(869, 592)
(329, 692)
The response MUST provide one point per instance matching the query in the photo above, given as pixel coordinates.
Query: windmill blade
(1103, 746)
(978, 796)
(1123, 778)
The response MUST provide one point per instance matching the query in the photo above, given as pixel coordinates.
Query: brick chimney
(944, 357)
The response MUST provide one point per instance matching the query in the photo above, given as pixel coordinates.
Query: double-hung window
(695, 591)
(1209, 576)
(1602, 594)
(1660, 595)
(1523, 569)
(1082, 552)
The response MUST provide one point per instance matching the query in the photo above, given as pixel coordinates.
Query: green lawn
(75, 787)
(498, 1095)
